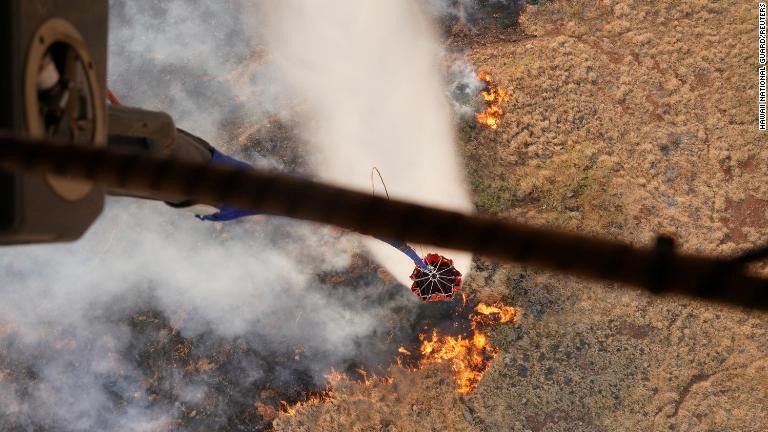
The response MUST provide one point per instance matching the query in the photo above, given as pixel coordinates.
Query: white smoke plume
(368, 76)
(192, 58)
(66, 309)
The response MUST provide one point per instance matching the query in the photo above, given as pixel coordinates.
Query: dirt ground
(627, 118)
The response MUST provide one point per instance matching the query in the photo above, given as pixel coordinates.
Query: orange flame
(494, 314)
(494, 97)
(468, 356)
(334, 377)
(288, 409)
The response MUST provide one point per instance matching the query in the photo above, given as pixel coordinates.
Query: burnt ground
(627, 119)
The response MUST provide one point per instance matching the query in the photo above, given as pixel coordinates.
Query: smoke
(195, 59)
(464, 87)
(369, 74)
(461, 9)
(73, 344)
(477, 12)
(154, 320)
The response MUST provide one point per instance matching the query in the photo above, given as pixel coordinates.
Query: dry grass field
(627, 118)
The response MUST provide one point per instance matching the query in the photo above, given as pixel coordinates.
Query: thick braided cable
(658, 269)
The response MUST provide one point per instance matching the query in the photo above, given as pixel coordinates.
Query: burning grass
(468, 354)
(209, 382)
(495, 97)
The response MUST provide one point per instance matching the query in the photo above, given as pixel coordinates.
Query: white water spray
(369, 75)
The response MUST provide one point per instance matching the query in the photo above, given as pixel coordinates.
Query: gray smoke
(475, 15)
(464, 87)
(196, 59)
(133, 327)
(461, 9)
(471, 10)
(66, 309)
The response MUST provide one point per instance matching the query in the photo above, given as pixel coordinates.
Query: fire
(494, 314)
(494, 97)
(288, 409)
(334, 379)
(469, 356)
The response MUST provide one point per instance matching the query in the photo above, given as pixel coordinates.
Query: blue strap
(228, 213)
(222, 159)
(408, 250)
